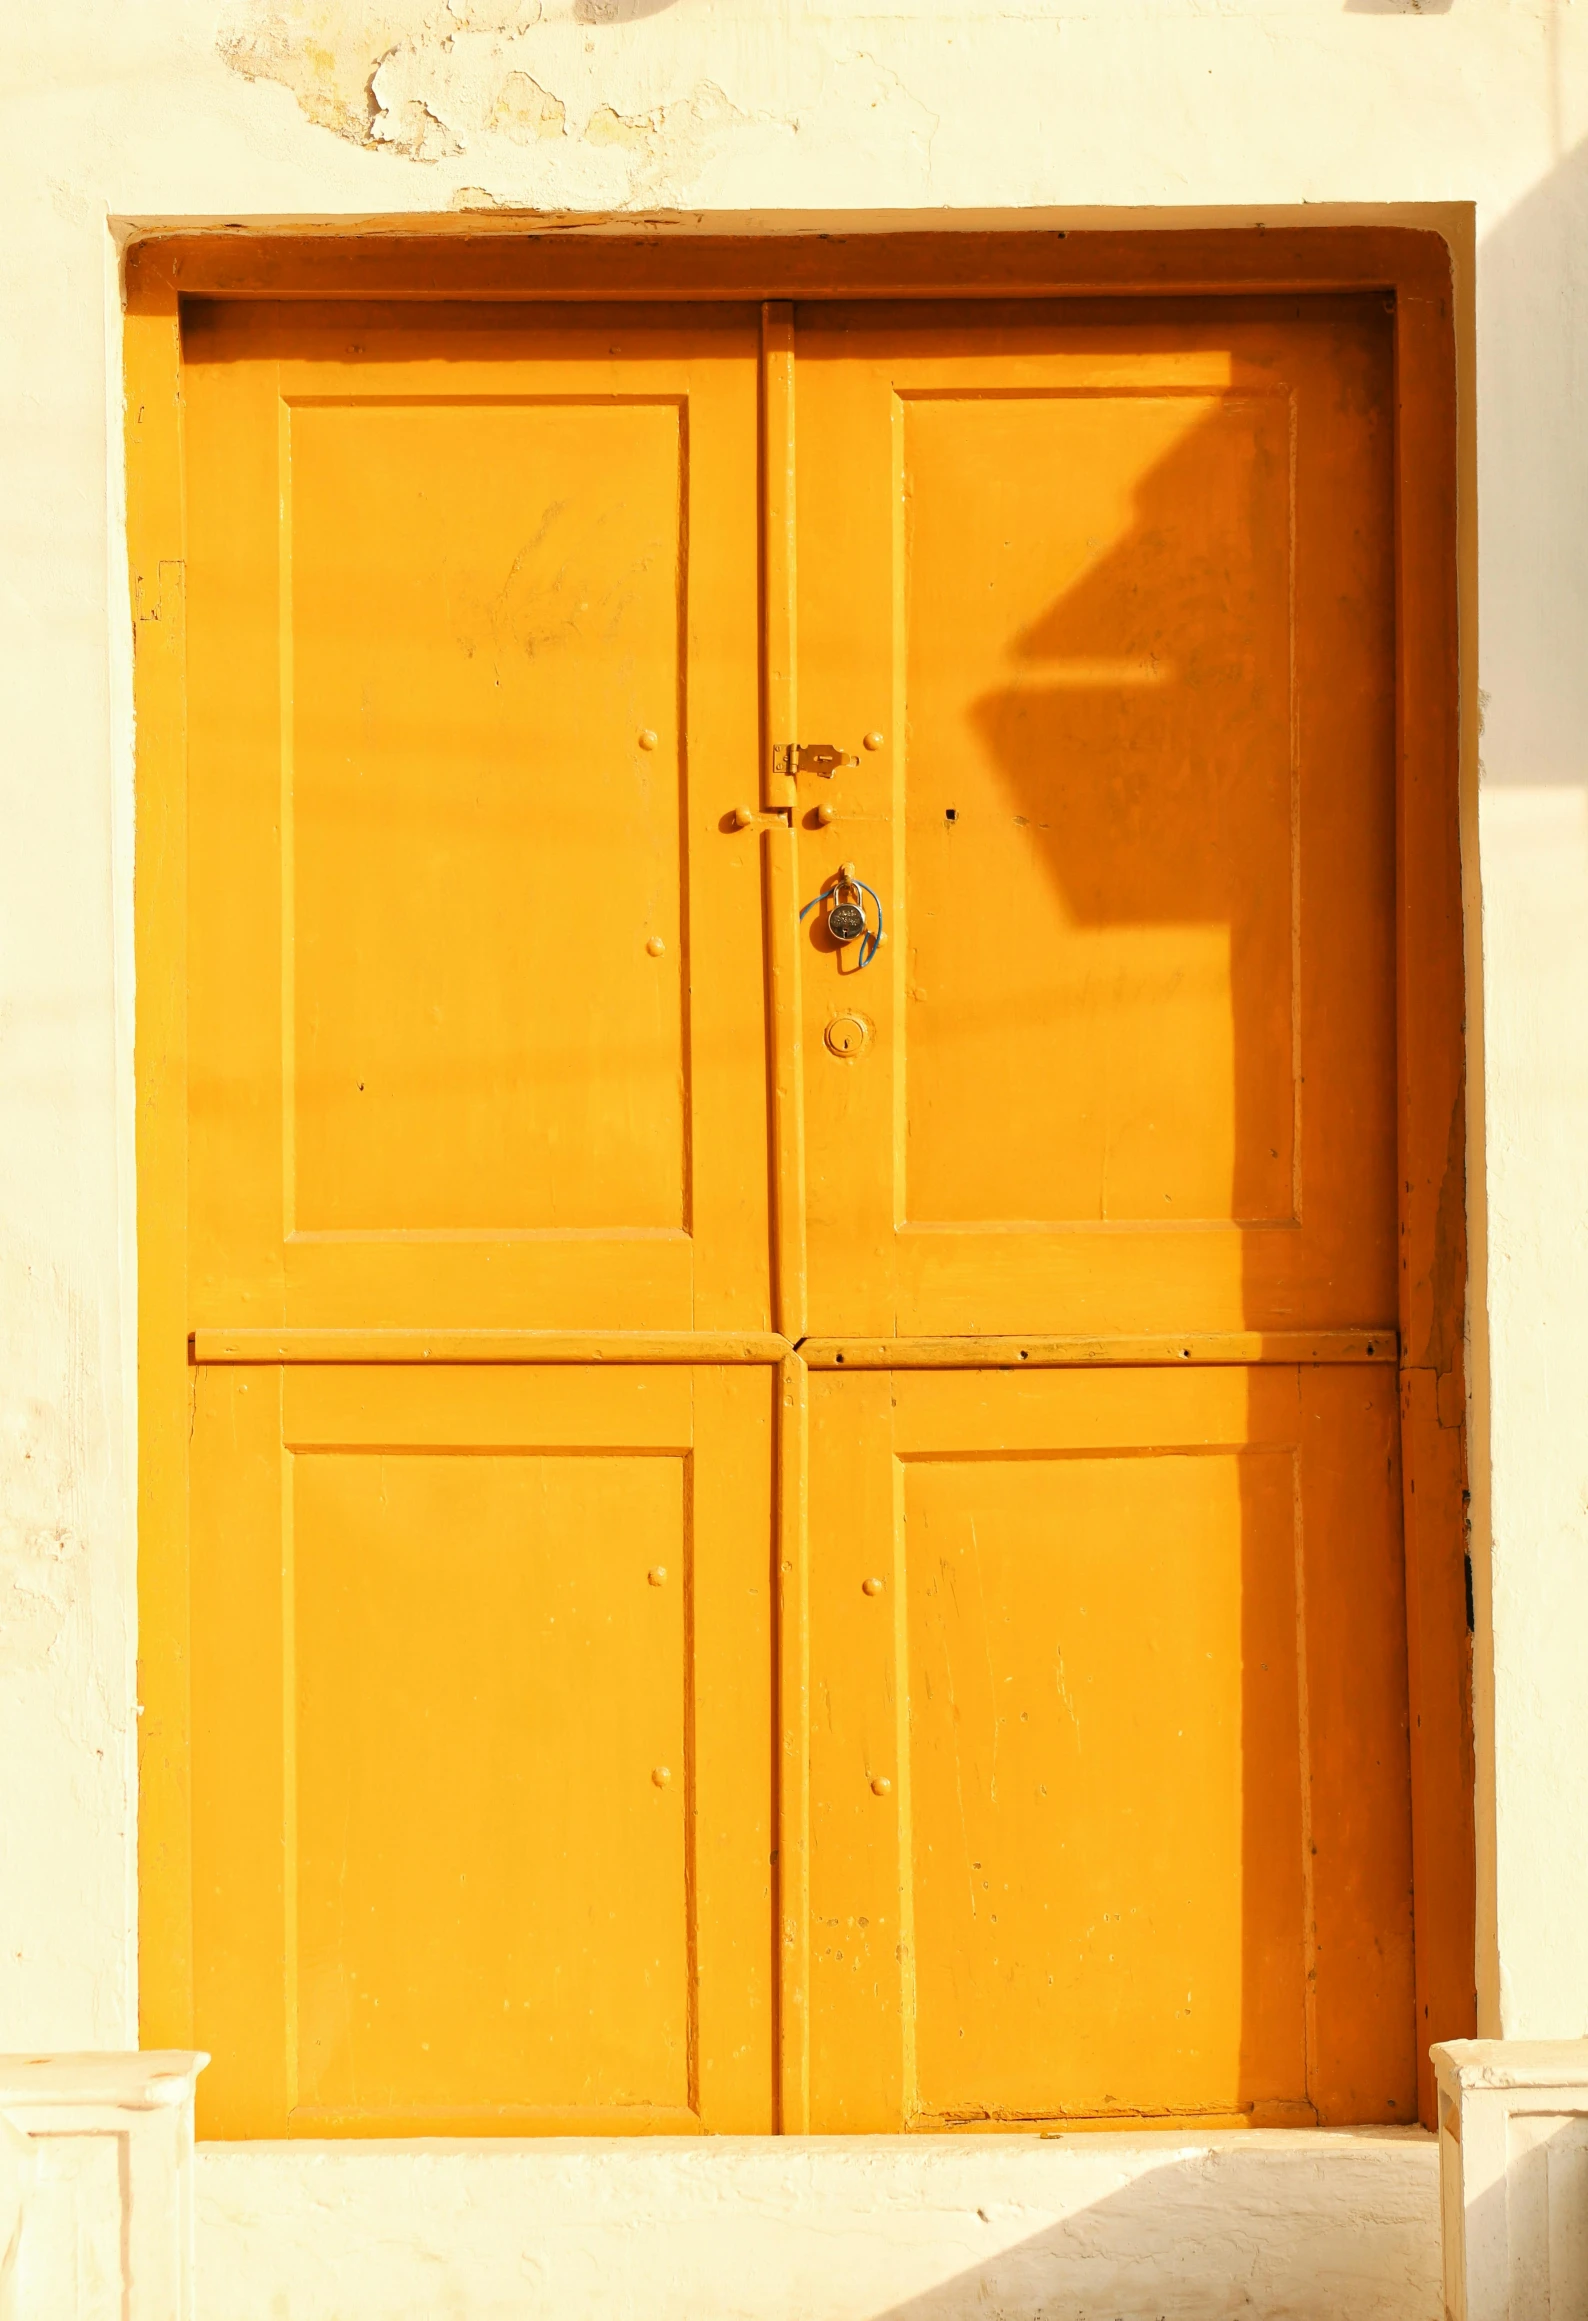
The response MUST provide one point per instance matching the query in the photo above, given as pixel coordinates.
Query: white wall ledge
(1516, 2063)
(154, 2080)
(1319, 2225)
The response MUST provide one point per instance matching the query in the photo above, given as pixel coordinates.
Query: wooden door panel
(1145, 1849)
(1106, 1791)
(482, 1811)
(479, 1032)
(481, 1041)
(1102, 938)
(1117, 594)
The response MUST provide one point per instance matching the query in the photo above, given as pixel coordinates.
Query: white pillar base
(96, 2162)
(1513, 2178)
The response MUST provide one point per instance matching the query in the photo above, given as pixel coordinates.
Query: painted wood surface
(478, 686)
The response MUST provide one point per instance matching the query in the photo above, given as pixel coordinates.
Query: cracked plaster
(545, 107)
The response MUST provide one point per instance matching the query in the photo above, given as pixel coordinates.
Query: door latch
(811, 757)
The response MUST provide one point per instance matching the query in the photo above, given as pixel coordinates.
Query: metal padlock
(846, 917)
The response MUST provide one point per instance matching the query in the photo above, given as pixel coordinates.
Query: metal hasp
(811, 757)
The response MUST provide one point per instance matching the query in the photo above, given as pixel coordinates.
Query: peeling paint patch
(416, 77)
(326, 55)
(617, 11)
(525, 110)
(430, 80)
(608, 128)
(680, 133)
(431, 102)
(406, 123)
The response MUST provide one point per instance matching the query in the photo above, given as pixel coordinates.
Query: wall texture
(767, 113)
(1098, 2228)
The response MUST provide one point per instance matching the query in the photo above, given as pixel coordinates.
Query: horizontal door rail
(1157, 1352)
(709, 1347)
(499, 1346)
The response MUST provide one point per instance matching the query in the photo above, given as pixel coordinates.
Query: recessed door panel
(1108, 1800)
(1098, 807)
(485, 615)
(1112, 594)
(482, 1719)
(484, 1817)
(478, 1021)
(1081, 1714)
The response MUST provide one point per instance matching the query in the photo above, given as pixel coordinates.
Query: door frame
(1412, 270)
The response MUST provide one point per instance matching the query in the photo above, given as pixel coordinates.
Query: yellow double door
(785, 1533)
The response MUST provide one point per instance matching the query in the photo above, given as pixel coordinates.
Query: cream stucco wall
(770, 112)
(835, 2228)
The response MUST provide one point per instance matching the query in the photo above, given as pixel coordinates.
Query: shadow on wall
(1532, 341)
(1230, 2226)
(1532, 362)
(1289, 2227)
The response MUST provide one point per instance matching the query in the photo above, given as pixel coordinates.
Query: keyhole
(846, 1035)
